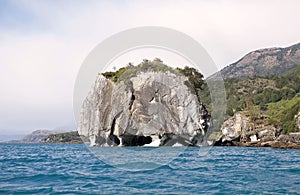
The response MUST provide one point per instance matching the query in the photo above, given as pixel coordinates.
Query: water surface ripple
(73, 169)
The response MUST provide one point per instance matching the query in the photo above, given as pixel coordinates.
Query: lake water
(73, 169)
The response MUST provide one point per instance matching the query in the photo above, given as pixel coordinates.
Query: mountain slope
(259, 94)
(264, 62)
(37, 136)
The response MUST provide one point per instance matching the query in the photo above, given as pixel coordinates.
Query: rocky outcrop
(142, 109)
(298, 120)
(240, 130)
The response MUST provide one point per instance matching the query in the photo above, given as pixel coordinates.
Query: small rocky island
(150, 104)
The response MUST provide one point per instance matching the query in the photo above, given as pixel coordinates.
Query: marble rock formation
(151, 108)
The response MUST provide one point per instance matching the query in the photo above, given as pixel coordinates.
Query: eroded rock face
(232, 128)
(298, 121)
(292, 138)
(240, 129)
(149, 106)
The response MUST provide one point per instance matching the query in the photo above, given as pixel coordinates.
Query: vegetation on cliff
(125, 73)
(275, 96)
(130, 71)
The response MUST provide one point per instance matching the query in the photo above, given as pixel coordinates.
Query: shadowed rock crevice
(114, 123)
(113, 140)
(131, 101)
(135, 140)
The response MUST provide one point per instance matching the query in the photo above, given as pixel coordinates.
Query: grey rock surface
(298, 120)
(240, 130)
(146, 107)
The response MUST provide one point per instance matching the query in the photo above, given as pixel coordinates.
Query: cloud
(43, 44)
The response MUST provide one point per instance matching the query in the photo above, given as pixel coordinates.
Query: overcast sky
(43, 43)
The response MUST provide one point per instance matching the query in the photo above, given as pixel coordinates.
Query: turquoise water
(73, 169)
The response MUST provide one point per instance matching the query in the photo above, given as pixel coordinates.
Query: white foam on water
(177, 145)
(154, 143)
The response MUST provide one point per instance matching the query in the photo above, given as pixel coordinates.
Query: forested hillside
(275, 96)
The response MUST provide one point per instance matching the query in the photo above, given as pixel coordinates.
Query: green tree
(195, 77)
